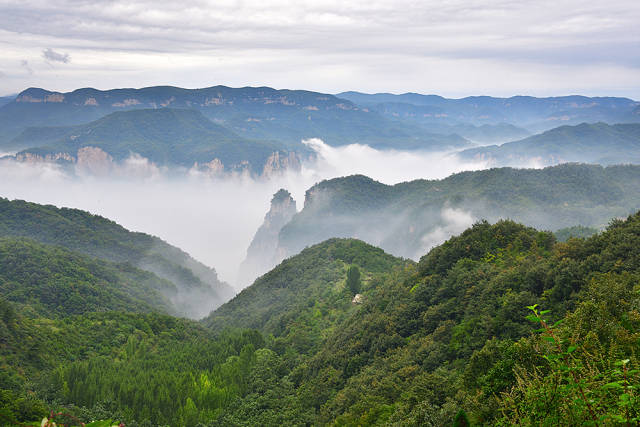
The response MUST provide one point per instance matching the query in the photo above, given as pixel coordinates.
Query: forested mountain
(195, 288)
(447, 338)
(407, 219)
(533, 114)
(311, 282)
(285, 116)
(590, 143)
(167, 137)
(53, 280)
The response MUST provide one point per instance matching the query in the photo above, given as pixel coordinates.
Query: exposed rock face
(94, 161)
(262, 254)
(277, 163)
(36, 158)
(214, 168)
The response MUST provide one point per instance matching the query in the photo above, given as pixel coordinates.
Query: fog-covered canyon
(211, 218)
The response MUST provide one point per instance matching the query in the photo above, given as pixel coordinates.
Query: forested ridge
(500, 325)
(400, 218)
(95, 236)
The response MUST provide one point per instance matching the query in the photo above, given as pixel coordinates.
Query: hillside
(43, 359)
(49, 279)
(428, 343)
(165, 136)
(262, 113)
(589, 143)
(452, 335)
(197, 287)
(312, 281)
(533, 114)
(407, 219)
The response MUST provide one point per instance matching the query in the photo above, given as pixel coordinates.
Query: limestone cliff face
(277, 163)
(94, 161)
(262, 254)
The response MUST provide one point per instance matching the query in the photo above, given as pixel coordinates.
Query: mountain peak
(262, 253)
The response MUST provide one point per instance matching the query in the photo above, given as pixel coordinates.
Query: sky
(453, 48)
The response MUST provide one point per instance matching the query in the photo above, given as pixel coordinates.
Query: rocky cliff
(263, 253)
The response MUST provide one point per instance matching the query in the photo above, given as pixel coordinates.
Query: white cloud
(454, 222)
(51, 55)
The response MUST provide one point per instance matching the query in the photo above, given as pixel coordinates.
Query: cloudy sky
(448, 47)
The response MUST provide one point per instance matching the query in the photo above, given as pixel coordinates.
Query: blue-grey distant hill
(174, 137)
(589, 143)
(286, 116)
(533, 114)
(6, 99)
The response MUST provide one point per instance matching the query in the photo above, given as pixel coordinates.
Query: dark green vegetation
(580, 231)
(194, 288)
(53, 280)
(285, 116)
(311, 282)
(534, 114)
(408, 218)
(590, 143)
(164, 136)
(441, 341)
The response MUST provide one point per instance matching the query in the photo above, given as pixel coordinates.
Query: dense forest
(191, 281)
(500, 325)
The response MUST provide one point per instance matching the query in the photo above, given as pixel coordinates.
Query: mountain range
(259, 113)
(166, 137)
(533, 114)
(450, 339)
(259, 130)
(587, 142)
(407, 219)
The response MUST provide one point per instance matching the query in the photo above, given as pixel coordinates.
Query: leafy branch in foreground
(574, 386)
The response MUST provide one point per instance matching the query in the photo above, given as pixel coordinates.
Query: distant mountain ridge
(531, 113)
(165, 136)
(286, 116)
(591, 143)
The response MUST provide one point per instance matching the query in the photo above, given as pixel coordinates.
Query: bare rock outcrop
(262, 254)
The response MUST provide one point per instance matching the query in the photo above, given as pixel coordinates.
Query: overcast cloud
(454, 47)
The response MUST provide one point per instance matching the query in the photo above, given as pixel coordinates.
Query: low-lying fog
(214, 220)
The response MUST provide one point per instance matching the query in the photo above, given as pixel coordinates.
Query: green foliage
(579, 381)
(441, 342)
(98, 237)
(461, 420)
(53, 281)
(576, 231)
(353, 279)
